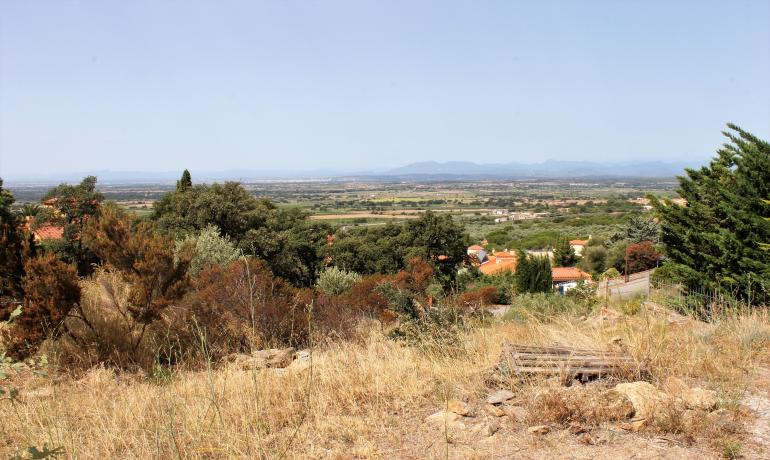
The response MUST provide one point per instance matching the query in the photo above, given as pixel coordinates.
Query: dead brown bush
(589, 405)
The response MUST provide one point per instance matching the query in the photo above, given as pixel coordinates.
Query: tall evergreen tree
(533, 274)
(564, 254)
(714, 241)
(185, 182)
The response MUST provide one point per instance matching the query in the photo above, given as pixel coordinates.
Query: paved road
(638, 283)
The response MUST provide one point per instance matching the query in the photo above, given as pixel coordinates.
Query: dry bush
(589, 405)
(51, 290)
(102, 330)
(241, 307)
(478, 298)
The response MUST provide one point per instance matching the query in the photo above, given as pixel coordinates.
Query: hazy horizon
(363, 86)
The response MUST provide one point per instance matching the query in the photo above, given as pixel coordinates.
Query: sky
(162, 85)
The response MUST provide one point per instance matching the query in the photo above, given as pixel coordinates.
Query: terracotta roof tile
(49, 232)
(496, 265)
(560, 274)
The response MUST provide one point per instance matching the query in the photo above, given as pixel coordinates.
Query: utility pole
(626, 270)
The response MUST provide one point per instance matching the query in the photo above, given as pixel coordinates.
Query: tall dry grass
(362, 399)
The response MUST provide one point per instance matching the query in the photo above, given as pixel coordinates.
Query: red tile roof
(49, 232)
(497, 264)
(560, 274)
(475, 247)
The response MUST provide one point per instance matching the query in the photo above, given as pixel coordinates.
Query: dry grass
(368, 399)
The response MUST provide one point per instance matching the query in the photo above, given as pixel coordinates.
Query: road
(638, 283)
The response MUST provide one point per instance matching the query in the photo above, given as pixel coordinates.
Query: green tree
(12, 245)
(533, 274)
(563, 254)
(293, 246)
(185, 183)
(436, 238)
(594, 259)
(714, 240)
(638, 228)
(72, 206)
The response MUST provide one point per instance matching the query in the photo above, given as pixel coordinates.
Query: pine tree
(564, 254)
(714, 241)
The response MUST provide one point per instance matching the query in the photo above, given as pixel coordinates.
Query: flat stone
(493, 410)
(634, 425)
(443, 417)
(500, 397)
(459, 407)
(539, 429)
(516, 413)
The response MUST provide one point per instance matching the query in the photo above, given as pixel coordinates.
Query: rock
(634, 425)
(643, 396)
(247, 362)
(493, 426)
(443, 417)
(459, 407)
(493, 410)
(516, 413)
(700, 399)
(675, 387)
(261, 359)
(500, 397)
(539, 429)
(723, 420)
(301, 361)
(281, 358)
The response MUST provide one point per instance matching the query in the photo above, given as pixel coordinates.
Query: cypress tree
(185, 182)
(563, 254)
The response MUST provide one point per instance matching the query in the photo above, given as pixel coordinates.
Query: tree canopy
(292, 245)
(433, 237)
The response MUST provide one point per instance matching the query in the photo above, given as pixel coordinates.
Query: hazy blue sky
(162, 85)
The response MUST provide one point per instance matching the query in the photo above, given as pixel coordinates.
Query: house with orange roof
(48, 232)
(566, 278)
(578, 246)
(499, 261)
(473, 250)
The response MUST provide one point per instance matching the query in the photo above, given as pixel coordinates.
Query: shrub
(642, 256)
(242, 306)
(611, 273)
(335, 281)
(543, 306)
(209, 248)
(102, 329)
(51, 290)
(477, 298)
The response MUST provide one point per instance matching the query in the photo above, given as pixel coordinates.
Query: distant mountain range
(550, 169)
